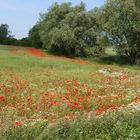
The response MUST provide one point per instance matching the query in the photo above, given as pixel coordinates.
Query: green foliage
(4, 33)
(7, 39)
(35, 37)
(63, 41)
(23, 42)
(116, 125)
(120, 19)
(18, 42)
(70, 31)
(10, 41)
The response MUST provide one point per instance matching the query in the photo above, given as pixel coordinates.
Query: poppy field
(36, 87)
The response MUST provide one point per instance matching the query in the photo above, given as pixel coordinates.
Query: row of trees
(7, 39)
(73, 31)
(70, 31)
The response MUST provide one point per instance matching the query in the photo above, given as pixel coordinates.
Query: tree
(70, 31)
(121, 21)
(35, 37)
(24, 42)
(4, 33)
(11, 41)
(7, 39)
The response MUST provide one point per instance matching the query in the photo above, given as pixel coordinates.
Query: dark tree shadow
(114, 59)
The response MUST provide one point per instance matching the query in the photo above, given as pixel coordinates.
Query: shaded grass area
(112, 58)
(120, 60)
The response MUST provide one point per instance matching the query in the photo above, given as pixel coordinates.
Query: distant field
(40, 88)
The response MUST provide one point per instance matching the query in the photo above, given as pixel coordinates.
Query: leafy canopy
(121, 21)
(70, 31)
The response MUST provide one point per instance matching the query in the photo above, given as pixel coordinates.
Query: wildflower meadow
(55, 92)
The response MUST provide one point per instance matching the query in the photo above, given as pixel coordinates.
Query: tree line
(7, 39)
(73, 31)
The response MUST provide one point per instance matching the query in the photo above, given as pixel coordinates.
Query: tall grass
(113, 126)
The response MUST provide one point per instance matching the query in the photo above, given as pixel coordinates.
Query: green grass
(24, 63)
(115, 125)
(122, 126)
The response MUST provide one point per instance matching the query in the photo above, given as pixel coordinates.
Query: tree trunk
(137, 61)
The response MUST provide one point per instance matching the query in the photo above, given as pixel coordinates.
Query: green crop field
(46, 97)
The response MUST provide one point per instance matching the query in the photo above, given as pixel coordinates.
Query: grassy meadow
(46, 97)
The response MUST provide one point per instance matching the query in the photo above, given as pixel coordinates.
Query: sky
(22, 15)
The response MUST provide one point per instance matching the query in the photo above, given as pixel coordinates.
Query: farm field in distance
(54, 93)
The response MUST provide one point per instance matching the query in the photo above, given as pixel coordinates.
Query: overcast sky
(21, 15)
